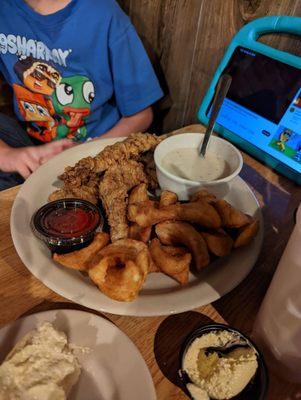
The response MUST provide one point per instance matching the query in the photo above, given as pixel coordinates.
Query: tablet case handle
(273, 24)
(249, 34)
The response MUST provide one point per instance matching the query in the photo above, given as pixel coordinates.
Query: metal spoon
(222, 88)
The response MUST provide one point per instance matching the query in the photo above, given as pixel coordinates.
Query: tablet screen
(263, 105)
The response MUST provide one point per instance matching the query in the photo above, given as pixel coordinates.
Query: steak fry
(136, 232)
(172, 261)
(113, 192)
(203, 195)
(167, 198)
(120, 269)
(231, 217)
(219, 243)
(82, 259)
(246, 234)
(139, 194)
(200, 212)
(183, 234)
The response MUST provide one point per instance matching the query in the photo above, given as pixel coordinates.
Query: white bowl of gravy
(180, 169)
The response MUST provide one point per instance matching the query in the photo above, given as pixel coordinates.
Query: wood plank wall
(187, 38)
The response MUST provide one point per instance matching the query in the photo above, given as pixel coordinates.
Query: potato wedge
(246, 234)
(219, 243)
(231, 217)
(82, 259)
(181, 233)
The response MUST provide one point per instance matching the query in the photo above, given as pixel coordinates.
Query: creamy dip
(41, 366)
(216, 376)
(188, 164)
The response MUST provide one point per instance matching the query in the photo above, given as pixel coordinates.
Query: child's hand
(25, 160)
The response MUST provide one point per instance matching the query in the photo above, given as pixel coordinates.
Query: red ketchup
(66, 225)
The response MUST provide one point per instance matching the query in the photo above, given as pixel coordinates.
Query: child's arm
(139, 122)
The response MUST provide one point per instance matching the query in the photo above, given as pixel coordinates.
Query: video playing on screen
(263, 105)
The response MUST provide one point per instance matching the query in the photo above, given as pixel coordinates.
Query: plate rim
(137, 312)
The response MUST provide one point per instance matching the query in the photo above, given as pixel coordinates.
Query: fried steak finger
(82, 259)
(148, 161)
(83, 192)
(113, 192)
(83, 180)
(131, 148)
(181, 233)
(83, 185)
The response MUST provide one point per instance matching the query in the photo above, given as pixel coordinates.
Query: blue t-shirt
(76, 72)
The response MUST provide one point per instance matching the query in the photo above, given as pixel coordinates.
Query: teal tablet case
(248, 37)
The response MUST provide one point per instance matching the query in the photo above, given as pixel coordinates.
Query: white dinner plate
(160, 294)
(113, 369)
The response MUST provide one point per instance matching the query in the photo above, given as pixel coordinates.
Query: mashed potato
(41, 366)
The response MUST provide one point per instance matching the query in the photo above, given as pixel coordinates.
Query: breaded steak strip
(83, 192)
(147, 159)
(83, 185)
(117, 181)
(130, 148)
(83, 180)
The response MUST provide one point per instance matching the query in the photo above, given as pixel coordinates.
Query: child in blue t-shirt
(78, 70)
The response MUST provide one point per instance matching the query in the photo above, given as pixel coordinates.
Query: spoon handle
(222, 88)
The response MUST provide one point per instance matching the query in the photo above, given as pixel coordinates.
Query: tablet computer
(262, 110)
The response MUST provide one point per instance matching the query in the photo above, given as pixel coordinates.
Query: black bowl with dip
(256, 389)
(66, 225)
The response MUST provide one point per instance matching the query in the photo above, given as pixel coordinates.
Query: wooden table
(159, 338)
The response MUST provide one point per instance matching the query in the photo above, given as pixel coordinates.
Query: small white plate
(112, 370)
(160, 294)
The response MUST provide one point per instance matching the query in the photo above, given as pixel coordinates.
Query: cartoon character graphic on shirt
(72, 101)
(38, 76)
(40, 80)
(34, 108)
(65, 101)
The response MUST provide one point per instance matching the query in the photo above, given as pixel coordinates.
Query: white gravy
(187, 163)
